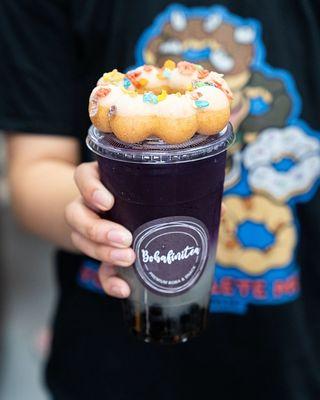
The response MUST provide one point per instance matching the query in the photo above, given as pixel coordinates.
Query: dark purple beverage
(169, 197)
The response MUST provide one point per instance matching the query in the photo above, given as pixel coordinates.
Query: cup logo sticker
(171, 253)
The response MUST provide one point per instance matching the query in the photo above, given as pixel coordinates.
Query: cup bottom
(154, 326)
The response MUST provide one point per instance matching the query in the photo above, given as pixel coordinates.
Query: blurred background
(26, 303)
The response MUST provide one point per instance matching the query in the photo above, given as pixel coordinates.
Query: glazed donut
(276, 218)
(272, 146)
(173, 103)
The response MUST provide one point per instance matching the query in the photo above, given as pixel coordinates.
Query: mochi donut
(172, 103)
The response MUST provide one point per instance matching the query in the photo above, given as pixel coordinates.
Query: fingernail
(120, 237)
(120, 256)
(102, 199)
(117, 291)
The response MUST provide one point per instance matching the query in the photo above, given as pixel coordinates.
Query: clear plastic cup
(169, 197)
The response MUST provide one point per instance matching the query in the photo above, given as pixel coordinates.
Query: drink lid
(154, 150)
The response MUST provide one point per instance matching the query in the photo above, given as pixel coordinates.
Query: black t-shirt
(263, 336)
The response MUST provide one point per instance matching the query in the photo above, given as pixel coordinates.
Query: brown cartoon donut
(276, 218)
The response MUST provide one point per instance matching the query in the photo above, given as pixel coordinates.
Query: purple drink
(169, 197)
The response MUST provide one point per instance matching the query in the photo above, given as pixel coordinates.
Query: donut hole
(285, 163)
(255, 235)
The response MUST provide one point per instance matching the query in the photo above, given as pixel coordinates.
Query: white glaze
(151, 76)
(112, 98)
(216, 98)
(173, 106)
(178, 81)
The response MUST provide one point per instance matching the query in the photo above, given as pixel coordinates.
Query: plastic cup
(169, 197)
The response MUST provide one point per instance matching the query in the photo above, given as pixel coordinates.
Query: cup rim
(155, 151)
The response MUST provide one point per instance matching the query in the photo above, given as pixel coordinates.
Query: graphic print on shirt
(274, 164)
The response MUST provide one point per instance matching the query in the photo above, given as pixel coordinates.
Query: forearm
(40, 192)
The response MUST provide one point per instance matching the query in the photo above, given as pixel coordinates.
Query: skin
(54, 199)
(58, 200)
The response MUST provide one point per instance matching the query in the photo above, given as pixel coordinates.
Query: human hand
(99, 238)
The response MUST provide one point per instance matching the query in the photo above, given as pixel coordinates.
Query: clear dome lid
(154, 150)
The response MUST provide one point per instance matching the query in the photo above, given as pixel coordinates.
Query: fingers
(98, 238)
(86, 222)
(112, 284)
(101, 252)
(91, 189)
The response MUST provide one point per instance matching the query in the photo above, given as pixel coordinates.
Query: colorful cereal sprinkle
(102, 92)
(143, 82)
(198, 84)
(126, 83)
(166, 73)
(169, 64)
(186, 68)
(150, 98)
(132, 76)
(196, 96)
(162, 96)
(113, 76)
(201, 103)
(203, 73)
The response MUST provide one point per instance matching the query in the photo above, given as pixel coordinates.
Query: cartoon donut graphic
(221, 42)
(256, 210)
(282, 163)
(228, 47)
